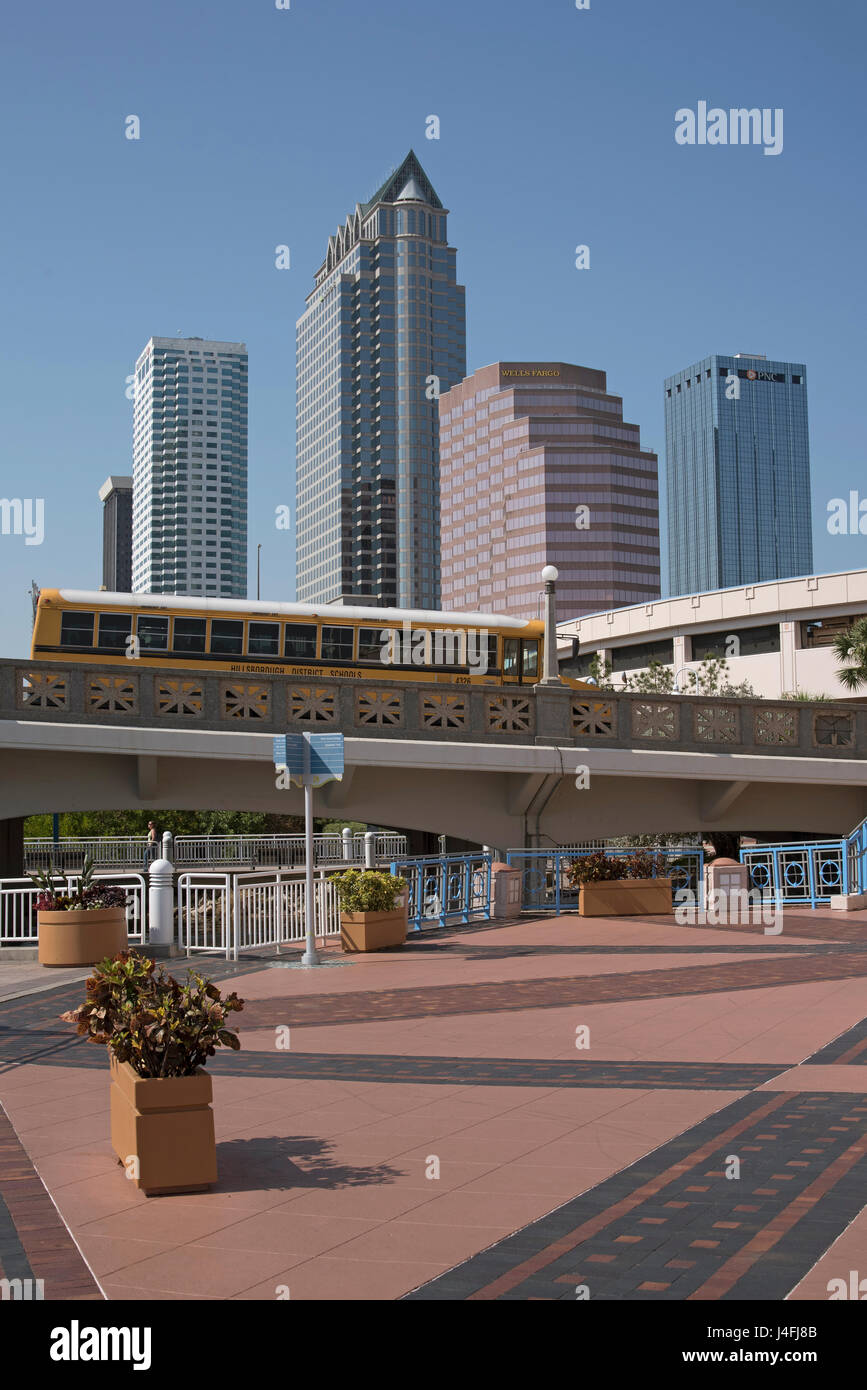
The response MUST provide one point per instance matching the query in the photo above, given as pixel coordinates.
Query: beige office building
(537, 466)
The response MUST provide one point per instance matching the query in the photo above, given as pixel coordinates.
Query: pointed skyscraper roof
(408, 181)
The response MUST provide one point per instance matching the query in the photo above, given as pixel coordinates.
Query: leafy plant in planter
(372, 916)
(82, 925)
(88, 896)
(623, 884)
(367, 890)
(162, 1028)
(604, 868)
(159, 1033)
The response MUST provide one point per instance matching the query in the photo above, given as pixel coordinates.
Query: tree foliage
(850, 649)
(96, 824)
(711, 678)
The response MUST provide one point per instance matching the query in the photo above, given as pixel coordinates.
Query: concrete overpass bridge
(504, 766)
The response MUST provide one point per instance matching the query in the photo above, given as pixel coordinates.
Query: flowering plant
(89, 895)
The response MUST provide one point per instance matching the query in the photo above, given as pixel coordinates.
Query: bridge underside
(502, 797)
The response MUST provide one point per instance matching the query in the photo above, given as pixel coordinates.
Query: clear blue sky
(262, 126)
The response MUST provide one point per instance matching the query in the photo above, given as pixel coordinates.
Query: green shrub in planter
(367, 890)
(603, 868)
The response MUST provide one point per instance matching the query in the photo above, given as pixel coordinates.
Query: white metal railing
(233, 912)
(68, 854)
(18, 924)
(278, 851)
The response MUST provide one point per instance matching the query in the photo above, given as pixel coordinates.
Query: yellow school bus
(287, 639)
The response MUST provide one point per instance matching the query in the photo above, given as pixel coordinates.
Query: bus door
(520, 661)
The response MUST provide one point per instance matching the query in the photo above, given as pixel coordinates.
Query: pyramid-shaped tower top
(409, 181)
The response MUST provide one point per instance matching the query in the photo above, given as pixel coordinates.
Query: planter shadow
(271, 1163)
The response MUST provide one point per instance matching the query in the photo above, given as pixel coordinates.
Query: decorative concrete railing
(362, 707)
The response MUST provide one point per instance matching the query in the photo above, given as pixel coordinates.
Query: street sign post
(309, 760)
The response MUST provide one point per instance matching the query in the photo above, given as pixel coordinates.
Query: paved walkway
(434, 1131)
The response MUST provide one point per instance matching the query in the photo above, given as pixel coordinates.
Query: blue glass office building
(383, 334)
(737, 473)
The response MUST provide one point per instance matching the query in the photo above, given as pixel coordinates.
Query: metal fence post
(232, 942)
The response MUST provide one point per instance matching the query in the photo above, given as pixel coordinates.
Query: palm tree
(851, 646)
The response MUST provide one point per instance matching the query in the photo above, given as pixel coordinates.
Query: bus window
(492, 653)
(337, 643)
(370, 644)
(152, 633)
(264, 639)
(227, 637)
(300, 641)
(529, 661)
(510, 657)
(114, 629)
(189, 635)
(76, 629)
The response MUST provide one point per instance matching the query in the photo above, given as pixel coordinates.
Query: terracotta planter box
(168, 1126)
(372, 931)
(81, 938)
(625, 897)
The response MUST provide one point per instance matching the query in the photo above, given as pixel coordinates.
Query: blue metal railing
(545, 872)
(809, 871)
(446, 889)
(855, 860)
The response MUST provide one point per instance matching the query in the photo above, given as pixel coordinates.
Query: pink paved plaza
(432, 1107)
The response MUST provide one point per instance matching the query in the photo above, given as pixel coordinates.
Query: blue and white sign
(310, 759)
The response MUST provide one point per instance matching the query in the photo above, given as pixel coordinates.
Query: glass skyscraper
(189, 507)
(737, 473)
(383, 334)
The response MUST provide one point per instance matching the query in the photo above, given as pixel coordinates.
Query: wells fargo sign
(530, 371)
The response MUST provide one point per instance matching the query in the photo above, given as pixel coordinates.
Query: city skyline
(658, 290)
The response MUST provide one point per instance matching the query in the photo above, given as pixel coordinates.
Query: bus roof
(377, 617)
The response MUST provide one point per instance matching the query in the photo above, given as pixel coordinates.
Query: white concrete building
(776, 635)
(189, 510)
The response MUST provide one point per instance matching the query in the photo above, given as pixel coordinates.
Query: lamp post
(550, 670)
(258, 569)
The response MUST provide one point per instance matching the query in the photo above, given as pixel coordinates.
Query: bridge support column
(12, 848)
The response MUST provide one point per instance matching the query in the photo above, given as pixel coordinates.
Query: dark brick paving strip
(548, 993)
(34, 1243)
(672, 1226)
(454, 1071)
(487, 953)
(849, 1049)
(39, 1013)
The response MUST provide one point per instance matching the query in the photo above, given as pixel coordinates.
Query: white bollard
(168, 846)
(370, 849)
(161, 902)
(347, 845)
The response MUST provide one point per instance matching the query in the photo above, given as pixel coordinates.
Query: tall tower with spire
(382, 337)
